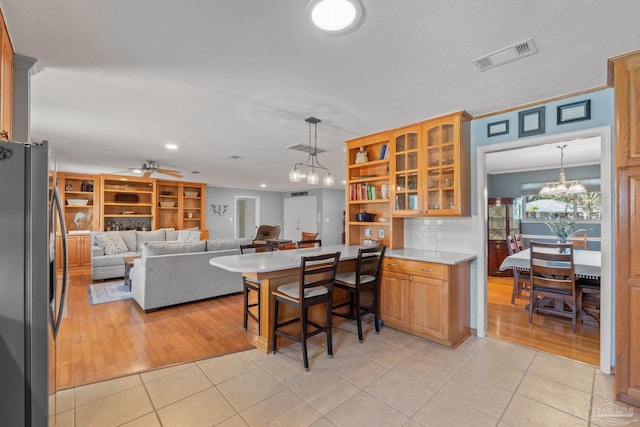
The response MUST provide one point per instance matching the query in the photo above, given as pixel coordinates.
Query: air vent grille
(304, 148)
(507, 54)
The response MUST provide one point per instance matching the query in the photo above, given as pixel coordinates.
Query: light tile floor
(392, 379)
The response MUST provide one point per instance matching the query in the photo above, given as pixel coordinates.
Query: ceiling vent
(507, 54)
(304, 148)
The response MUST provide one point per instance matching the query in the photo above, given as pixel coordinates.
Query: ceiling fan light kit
(151, 166)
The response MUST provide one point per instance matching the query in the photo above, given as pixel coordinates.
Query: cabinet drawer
(417, 268)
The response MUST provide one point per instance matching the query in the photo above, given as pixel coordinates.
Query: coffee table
(128, 263)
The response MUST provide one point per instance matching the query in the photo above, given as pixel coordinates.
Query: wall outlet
(381, 233)
(367, 232)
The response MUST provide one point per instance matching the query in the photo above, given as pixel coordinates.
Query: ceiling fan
(151, 166)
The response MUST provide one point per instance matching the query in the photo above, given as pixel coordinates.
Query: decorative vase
(384, 190)
(564, 241)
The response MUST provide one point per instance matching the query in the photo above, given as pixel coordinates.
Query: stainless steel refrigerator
(31, 293)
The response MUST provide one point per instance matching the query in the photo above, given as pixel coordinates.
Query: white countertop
(282, 260)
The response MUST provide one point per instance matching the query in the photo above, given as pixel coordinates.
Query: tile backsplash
(445, 234)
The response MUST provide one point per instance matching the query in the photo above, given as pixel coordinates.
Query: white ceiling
(224, 78)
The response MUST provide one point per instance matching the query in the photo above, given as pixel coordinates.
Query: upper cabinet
(6, 82)
(406, 174)
(431, 168)
(446, 184)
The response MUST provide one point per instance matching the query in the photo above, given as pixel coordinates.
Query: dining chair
(579, 240)
(512, 245)
(249, 285)
(519, 241)
(551, 274)
(588, 297)
(311, 243)
(314, 287)
(522, 282)
(366, 277)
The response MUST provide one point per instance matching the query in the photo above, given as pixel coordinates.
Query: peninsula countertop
(284, 260)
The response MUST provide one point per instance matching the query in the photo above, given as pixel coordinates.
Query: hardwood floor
(115, 339)
(510, 322)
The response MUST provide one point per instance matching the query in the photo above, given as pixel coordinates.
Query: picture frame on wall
(531, 122)
(498, 128)
(574, 112)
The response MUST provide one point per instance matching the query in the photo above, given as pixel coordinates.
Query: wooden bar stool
(249, 285)
(314, 286)
(366, 277)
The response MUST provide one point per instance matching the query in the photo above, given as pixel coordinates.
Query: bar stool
(314, 286)
(252, 285)
(365, 277)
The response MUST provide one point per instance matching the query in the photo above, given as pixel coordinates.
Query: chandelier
(296, 175)
(562, 186)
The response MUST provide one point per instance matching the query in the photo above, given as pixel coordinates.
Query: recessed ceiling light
(335, 16)
(263, 185)
(170, 146)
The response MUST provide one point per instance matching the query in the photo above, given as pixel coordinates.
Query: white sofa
(170, 273)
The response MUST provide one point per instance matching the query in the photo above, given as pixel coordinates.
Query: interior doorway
(604, 133)
(247, 216)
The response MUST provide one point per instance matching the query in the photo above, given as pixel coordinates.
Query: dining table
(586, 265)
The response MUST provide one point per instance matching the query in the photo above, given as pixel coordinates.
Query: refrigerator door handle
(55, 210)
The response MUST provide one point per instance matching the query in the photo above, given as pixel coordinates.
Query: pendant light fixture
(562, 186)
(296, 174)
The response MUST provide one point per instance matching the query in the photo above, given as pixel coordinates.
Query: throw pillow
(188, 235)
(111, 243)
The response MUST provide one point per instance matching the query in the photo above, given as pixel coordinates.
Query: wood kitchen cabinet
(625, 76)
(430, 166)
(79, 250)
(427, 299)
(6, 82)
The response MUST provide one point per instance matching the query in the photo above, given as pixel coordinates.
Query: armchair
(266, 232)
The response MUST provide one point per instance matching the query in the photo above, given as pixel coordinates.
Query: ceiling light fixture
(562, 186)
(296, 175)
(335, 16)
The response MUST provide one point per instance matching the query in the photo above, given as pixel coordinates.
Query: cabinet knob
(405, 278)
(410, 279)
(392, 265)
(428, 270)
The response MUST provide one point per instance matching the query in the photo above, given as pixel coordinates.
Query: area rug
(100, 293)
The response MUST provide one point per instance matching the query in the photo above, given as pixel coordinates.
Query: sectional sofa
(168, 271)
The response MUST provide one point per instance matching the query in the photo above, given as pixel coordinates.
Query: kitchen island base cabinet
(426, 299)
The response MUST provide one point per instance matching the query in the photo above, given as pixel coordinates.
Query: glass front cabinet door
(447, 177)
(406, 175)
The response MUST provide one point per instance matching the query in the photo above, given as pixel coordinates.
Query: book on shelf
(383, 152)
(363, 191)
